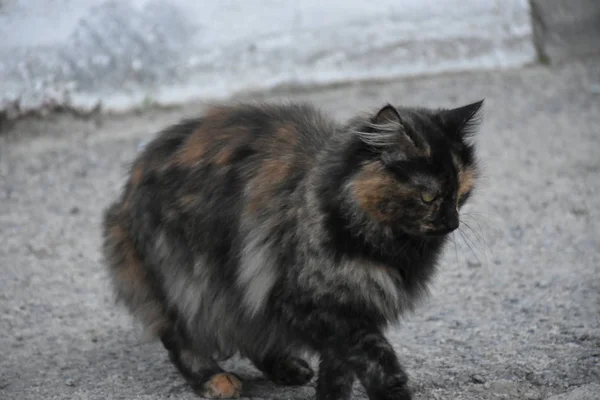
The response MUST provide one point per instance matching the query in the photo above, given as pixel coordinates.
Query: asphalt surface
(514, 312)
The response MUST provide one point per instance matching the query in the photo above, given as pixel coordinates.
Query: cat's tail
(132, 282)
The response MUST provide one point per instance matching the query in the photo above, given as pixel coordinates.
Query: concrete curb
(564, 29)
(122, 55)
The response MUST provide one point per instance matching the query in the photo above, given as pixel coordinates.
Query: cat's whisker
(482, 248)
(469, 244)
(473, 218)
(481, 239)
(455, 248)
(486, 264)
(473, 215)
(480, 234)
(481, 243)
(480, 230)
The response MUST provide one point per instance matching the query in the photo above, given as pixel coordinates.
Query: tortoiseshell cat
(272, 231)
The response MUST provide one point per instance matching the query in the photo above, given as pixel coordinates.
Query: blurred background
(123, 54)
(514, 312)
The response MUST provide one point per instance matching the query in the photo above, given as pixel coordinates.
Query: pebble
(477, 378)
(70, 382)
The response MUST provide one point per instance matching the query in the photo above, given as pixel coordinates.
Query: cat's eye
(428, 197)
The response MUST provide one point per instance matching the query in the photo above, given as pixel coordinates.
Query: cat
(272, 231)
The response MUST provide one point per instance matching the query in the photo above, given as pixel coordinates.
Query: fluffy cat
(272, 230)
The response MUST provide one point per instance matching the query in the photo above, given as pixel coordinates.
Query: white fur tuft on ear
(380, 135)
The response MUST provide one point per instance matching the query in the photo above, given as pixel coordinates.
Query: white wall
(120, 53)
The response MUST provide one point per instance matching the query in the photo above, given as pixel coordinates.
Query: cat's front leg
(335, 378)
(371, 357)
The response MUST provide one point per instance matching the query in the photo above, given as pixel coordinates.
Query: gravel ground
(514, 312)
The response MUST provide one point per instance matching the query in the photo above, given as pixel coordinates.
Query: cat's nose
(451, 221)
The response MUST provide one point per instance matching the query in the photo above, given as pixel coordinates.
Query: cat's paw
(221, 386)
(292, 371)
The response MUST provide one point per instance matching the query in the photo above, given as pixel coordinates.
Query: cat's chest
(361, 284)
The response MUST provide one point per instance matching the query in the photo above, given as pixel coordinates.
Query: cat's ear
(386, 115)
(383, 129)
(462, 122)
(387, 131)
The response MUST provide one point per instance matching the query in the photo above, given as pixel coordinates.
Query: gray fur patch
(256, 274)
(357, 281)
(376, 285)
(196, 363)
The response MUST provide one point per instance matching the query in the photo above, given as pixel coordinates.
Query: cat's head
(417, 167)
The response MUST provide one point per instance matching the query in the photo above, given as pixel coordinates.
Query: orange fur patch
(375, 190)
(194, 149)
(224, 156)
(127, 200)
(287, 136)
(187, 200)
(216, 139)
(276, 168)
(466, 181)
(137, 174)
(132, 280)
(216, 113)
(272, 172)
(466, 177)
(222, 386)
(131, 270)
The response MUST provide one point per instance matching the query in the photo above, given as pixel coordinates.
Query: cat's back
(225, 137)
(231, 160)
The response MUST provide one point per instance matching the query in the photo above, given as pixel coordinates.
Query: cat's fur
(271, 230)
